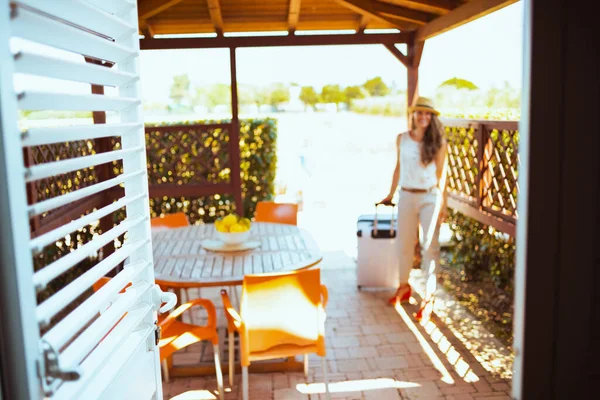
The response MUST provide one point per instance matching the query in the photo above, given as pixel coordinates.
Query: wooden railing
(483, 170)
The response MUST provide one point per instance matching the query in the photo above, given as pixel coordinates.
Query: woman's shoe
(402, 295)
(425, 311)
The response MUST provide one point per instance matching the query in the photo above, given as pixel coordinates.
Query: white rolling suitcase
(377, 261)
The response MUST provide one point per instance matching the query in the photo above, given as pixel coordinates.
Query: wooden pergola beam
(293, 15)
(362, 25)
(460, 16)
(398, 54)
(150, 9)
(214, 9)
(367, 9)
(146, 29)
(392, 14)
(273, 41)
(439, 7)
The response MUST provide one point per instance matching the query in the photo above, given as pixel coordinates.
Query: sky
(487, 51)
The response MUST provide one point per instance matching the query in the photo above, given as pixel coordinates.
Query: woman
(420, 173)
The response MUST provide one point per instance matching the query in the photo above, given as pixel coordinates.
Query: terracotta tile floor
(373, 352)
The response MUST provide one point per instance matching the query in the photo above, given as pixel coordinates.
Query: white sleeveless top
(413, 174)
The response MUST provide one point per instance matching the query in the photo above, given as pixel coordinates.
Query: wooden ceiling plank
(459, 16)
(368, 8)
(214, 8)
(403, 13)
(150, 9)
(293, 15)
(439, 7)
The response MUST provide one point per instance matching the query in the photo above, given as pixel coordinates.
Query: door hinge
(50, 371)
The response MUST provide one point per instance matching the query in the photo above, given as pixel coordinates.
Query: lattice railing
(483, 170)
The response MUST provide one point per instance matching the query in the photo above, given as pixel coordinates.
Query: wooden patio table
(180, 262)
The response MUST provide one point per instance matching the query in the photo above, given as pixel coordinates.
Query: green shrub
(482, 252)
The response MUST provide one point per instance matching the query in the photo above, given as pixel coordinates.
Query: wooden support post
(415, 50)
(234, 137)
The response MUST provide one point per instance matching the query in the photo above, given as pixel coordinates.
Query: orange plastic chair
(283, 213)
(176, 335)
(281, 315)
(175, 220)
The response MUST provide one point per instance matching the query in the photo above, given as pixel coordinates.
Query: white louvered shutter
(106, 347)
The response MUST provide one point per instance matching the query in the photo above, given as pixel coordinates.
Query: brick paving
(373, 352)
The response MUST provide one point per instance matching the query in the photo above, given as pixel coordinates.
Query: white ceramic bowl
(232, 237)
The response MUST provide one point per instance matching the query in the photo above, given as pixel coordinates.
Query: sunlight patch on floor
(195, 395)
(462, 368)
(355, 386)
(437, 363)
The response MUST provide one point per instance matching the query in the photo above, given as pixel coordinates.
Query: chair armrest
(234, 321)
(324, 295)
(207, 304)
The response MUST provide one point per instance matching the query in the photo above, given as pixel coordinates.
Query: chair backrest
(283, 309)
(283, 213)
(175, 220)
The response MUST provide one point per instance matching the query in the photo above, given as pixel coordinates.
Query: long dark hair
(432, 140)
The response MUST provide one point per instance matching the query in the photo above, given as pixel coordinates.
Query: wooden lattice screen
(483, 170)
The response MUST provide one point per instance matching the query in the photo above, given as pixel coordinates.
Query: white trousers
(422, 209)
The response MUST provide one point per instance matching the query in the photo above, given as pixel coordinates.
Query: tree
(280, 94)
(376, 87)
(353, 92)
(214, 95)
(332, 94)
(459, 83)
(180, 88)
(309, 96)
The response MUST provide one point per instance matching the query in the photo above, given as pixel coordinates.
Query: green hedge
(480, 251)
(258, 163)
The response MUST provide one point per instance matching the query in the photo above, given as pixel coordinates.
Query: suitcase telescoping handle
(391, 222)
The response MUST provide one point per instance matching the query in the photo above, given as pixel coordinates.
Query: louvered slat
(42, 65)
(60, 201)
(102, 366)
(39, 136)
(46, 170)
(113, 6)
(83, 14)
(62, 332)
(50, 272)
(74, 102)
(85, 342)
(44, 240)
(49, 308)
(35, 27)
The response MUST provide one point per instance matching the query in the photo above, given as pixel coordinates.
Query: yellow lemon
(219, 226)
(246, 222)
(230, 220)
(237, 228)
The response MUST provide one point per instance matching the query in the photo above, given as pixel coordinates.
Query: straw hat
(423, 104)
